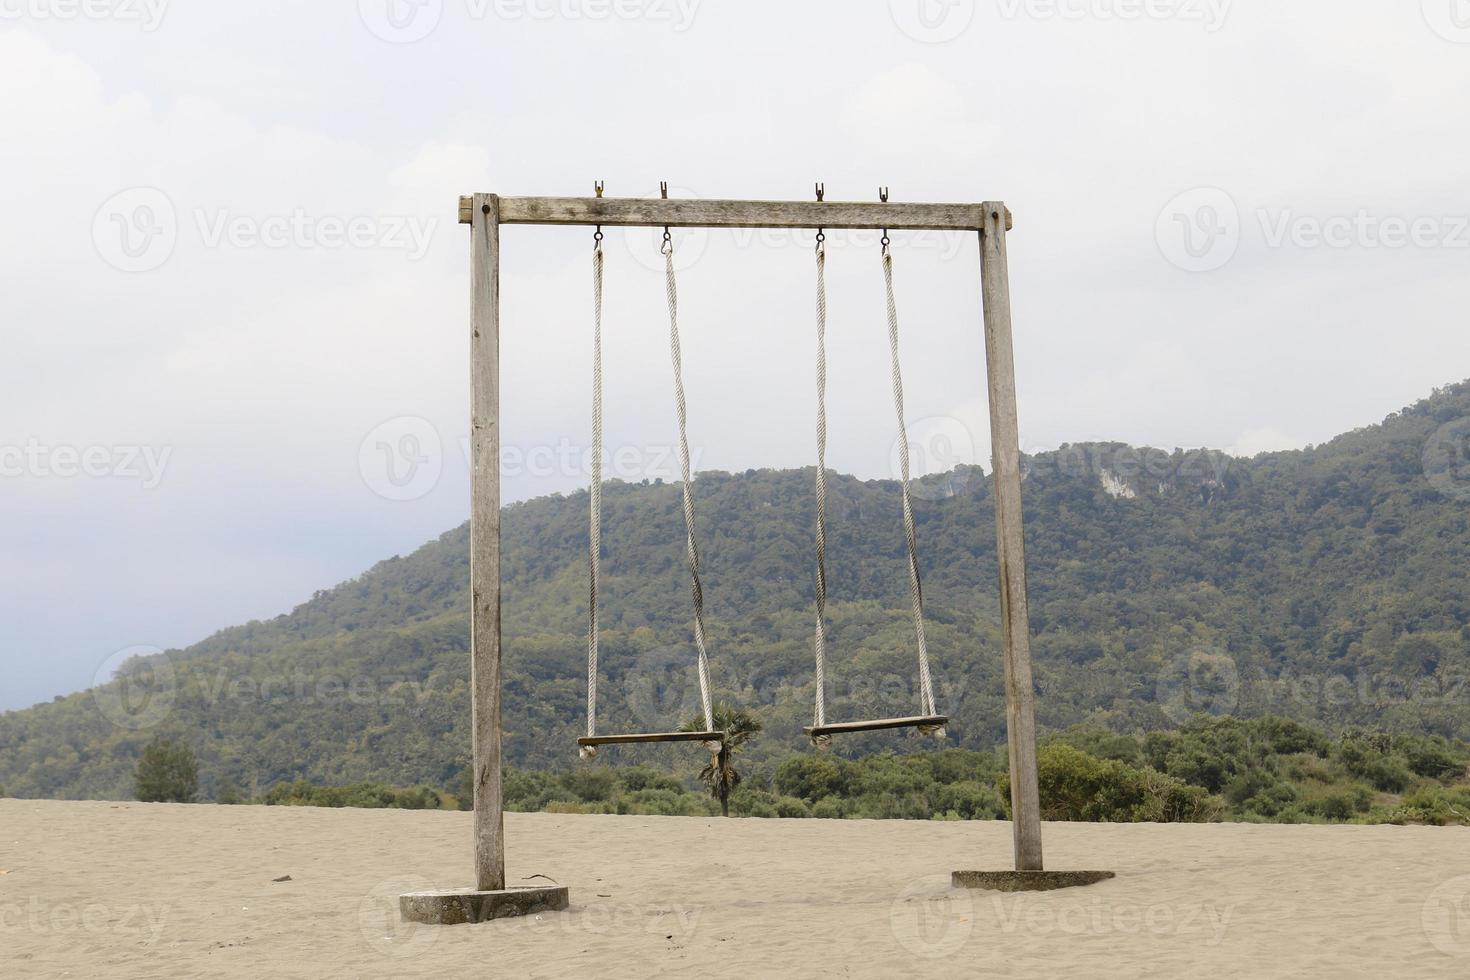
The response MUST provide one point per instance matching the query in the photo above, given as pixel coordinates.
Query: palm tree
(720, 776)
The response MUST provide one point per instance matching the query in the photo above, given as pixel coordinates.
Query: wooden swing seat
(877, 724)
(638, 737)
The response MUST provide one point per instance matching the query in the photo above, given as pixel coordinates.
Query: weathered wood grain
(639, 737)
(1005, 444)
(876, 724)
(657, 212)
(485, 538)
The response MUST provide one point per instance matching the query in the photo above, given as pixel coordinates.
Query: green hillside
(1330, 584)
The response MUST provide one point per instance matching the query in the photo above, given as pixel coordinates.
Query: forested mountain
(1331, 583)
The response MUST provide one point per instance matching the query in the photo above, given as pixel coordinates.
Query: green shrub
(1287, 737)
(1198, 765)
(1246, 785)
(745, 802)
(1333, 806)
(970, 800)
(887, 775)
(665, 803)
(418, 798)
(591, 784)
(1433, 805)
(886, 806)
(363, 795)
(1367, 739)
(1103, 744)
(369, 796)
(964, 765)
(830, 808)
(1271, 800)
(568, 806)
(791, 806)
(1432, 761)
(1077, 786)
(1168, 800)
(166, 773)
(1386, 773)
(635, 778)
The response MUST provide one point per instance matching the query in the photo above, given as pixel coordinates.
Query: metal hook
(821, 232)
(883, 196)
(668, 245)
(597, 186)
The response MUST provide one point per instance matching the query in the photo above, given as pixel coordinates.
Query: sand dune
(137, 890)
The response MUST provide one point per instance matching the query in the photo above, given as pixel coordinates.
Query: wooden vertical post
(1005, 447)
(485, 537)
(489, 899)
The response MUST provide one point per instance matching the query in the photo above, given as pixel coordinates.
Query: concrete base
(1026, 881)
(449, 908)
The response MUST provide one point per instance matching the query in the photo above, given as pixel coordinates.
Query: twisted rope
(594, 543)
(916, 591)
(693, 552)
(820, 637)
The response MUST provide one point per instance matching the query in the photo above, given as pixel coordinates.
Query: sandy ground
(138, 890)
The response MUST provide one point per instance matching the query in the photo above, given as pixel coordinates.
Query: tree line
(1268, 770)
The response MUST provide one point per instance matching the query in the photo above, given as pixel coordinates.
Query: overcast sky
(234, 310)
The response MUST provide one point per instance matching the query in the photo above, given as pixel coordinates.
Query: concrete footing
(454, 907)
(1027, 881)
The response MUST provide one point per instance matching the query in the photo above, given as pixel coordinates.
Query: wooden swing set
(485, 214)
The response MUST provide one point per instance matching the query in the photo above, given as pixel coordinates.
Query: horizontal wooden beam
(686, 213)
